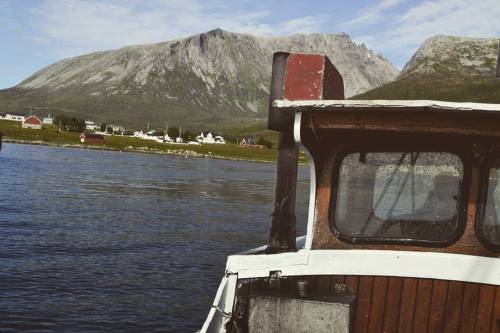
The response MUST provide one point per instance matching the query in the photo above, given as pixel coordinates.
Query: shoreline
(172, 152)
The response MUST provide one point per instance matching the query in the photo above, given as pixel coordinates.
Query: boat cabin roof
(384, 105)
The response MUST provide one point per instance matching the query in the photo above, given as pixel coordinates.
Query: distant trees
(188, 135)
(173, 132)
(103, 127)
(71, 124)
(263, 142)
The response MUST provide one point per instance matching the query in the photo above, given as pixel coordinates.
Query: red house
(95, 139)
(32, 122)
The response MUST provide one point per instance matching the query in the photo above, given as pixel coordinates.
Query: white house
(90, 125)
(118, 129)
(167, 138)
(150, 135)
(15, 117)
(210, 139)
(48, 120)
(219, 140)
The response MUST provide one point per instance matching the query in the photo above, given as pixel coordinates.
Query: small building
(91, 126)
(15, 117)
(118, 129)
(96, 139)
(48, 120)
(249, 143)
(210, 139)
(32, 122)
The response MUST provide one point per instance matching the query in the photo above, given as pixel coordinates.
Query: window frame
(484, 171)
(461, 150)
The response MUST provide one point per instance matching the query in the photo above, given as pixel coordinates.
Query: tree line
(71, 124)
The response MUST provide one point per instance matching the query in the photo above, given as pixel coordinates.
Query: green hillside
(481, 89)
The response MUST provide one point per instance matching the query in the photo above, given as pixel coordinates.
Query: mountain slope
(447, 68)
(214, 76)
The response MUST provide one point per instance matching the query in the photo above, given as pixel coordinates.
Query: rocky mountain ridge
(209, 76)
(447, 68)
(453, 54)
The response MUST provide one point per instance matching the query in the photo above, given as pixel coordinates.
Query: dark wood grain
(352, 283)
(495, 320)
(377, 307)
(453, 307)
(363, 304)
(485, 308)
(422, 305)
(438, 304)
(324, 284)
(469, 307)
(408, 297)
(393, 304)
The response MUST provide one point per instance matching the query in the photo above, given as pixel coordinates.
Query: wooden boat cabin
(403, 231)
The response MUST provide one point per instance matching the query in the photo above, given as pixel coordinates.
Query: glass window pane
(399, 196)
(490, 226)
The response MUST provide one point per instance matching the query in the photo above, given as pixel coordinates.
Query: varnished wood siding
(394, 304)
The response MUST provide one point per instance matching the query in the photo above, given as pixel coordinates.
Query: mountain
(207, 78)
(447, 68)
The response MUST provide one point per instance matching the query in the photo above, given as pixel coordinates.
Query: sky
(36, 33)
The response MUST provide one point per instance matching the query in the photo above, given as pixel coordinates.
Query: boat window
(399, 197)
(489, 224)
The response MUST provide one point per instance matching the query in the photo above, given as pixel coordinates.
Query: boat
(403, 230)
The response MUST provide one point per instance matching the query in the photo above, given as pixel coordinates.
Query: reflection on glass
(490, 226)
(400, 196)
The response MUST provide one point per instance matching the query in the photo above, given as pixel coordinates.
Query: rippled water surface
(96, 241)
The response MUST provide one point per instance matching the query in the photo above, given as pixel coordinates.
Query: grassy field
(13, 131)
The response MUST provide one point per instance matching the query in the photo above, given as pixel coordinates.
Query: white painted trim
(353, 104)
(311, 214)
(296, 126)
(221, 309)
(312, 181)
(213, 310)
(431, 265)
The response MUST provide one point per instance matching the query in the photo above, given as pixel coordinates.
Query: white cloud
(79, 26)
(372, 14)
(430, 18)
(307, 24)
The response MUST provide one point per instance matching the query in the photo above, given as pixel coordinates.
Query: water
(96, 241)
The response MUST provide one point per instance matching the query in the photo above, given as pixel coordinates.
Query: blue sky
(36, 33)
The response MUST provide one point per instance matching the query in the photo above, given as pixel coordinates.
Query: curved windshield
(489, 226)
(399, 196)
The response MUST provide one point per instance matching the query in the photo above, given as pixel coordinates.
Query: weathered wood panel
(485, 308)
(364, 297)
(438, 303)
(495, 320)
(379, 293)
(394, 304)
(408, 296)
